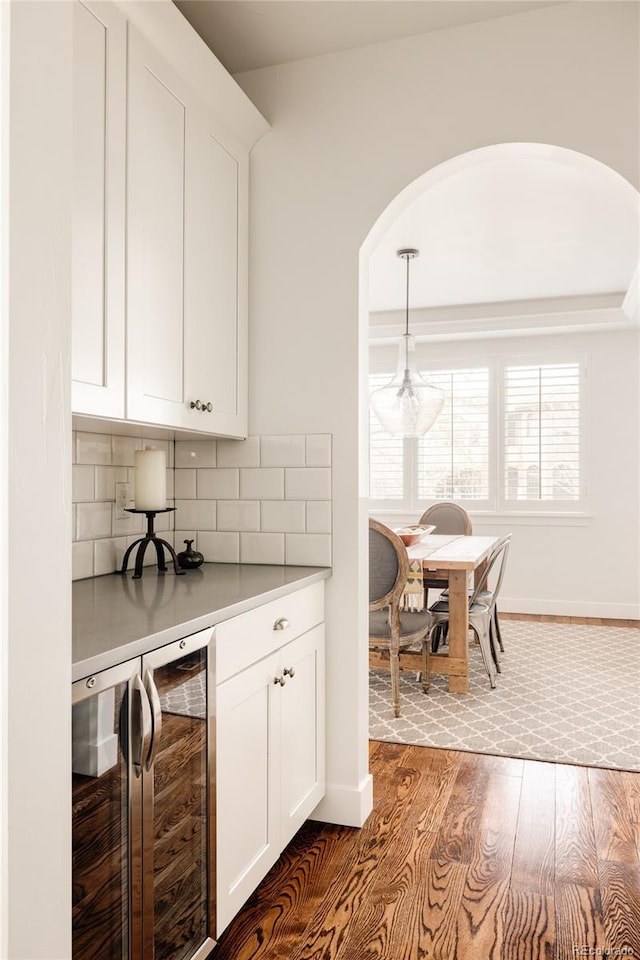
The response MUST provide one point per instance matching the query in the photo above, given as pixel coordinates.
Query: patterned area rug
(188, 699)
(567, 693)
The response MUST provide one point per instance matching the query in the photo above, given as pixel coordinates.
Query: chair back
(448, 517)
(388, 566)
(496, 563)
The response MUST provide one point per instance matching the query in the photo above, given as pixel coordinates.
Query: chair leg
(497, 626)
(394, 667)
(485, 650)
(494, 646)
(426, 666)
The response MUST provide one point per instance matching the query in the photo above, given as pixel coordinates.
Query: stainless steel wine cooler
(144, 807)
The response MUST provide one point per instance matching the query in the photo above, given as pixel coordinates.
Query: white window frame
(497, 503)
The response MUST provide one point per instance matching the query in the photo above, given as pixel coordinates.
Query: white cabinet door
(302, 768)
(98, 235)
(270, 765)
(247, 774)
(156, 166)
(215, 312)
(186, 195)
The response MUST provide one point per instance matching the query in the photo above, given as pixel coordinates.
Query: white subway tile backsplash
(282, 516)
(318, 450)
(127, 526)
(318, 516)
(93, 448)
(108, 555)
(195, 453)
(239, 453)
(262, 483)
(196, 514)
(82, 483)
(219, 547)
(238, 515)
(307, 483)
(282, 451)
(123, 451)
(93, 521)
(81, 560)
(106, 479)
(185, 484)
(261, 500)
(220, 484)
(262, 548)
(308, 549)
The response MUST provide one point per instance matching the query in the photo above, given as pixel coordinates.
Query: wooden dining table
(453, 558)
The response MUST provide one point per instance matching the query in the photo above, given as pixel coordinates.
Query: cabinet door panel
(156, 223)
(247, 777)
(301, 731)
(97, 312)
(211, 268)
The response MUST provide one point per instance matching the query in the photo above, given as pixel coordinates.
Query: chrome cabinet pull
(156, 715)
(281, 624)
(195, 405)
(141, 725)
(289, 672)
(209, 407)
(280, 680)
(201, 405)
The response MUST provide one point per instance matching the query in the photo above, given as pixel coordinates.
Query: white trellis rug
(567, 693)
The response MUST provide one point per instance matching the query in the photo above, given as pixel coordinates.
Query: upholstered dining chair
(447, 517)
(392, 631)
(481, 606)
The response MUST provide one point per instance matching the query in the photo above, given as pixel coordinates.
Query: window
(542, 432)
(508, 437)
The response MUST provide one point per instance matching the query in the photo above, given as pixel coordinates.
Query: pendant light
(407, 406)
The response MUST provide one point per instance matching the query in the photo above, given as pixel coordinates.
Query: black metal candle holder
(143, 543)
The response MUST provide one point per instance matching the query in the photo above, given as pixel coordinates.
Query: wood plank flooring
(464, 857)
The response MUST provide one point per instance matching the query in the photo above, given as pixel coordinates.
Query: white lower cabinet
(269, 752)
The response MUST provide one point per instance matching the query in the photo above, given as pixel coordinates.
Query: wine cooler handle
(156, 712)
(141, 725)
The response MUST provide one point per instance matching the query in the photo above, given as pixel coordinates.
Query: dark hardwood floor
(465, 857)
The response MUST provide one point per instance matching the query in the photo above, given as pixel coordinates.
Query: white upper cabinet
(98, 234)
(186, 353)
(159, 321)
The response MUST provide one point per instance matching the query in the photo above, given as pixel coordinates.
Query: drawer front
(247, 638)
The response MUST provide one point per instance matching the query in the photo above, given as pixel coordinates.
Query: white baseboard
(571, 608)
(346, 806)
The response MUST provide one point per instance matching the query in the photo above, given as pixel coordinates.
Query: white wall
(37, 895)
(587, 565)
(350, 131)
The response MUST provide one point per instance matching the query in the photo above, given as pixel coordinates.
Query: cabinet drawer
(255, 634)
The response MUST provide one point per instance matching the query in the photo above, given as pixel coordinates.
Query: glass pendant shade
(408, 405)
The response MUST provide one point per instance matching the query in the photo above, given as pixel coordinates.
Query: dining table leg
(459, 630)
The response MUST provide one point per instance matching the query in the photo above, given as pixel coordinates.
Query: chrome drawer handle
(289, 672)
(280, 680)
(281, 624)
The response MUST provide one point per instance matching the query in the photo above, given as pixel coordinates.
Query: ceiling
(506, 231)
(247, 35)
(509, 229)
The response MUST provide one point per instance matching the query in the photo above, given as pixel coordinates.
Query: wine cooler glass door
(178, 803)
(104, 795)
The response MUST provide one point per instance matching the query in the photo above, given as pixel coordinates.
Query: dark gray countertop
(116, 618)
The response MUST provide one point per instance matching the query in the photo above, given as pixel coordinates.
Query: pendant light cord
(406, 329)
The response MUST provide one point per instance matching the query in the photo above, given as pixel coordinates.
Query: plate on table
(414, 532)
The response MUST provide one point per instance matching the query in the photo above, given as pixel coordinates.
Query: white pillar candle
(151, 479)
